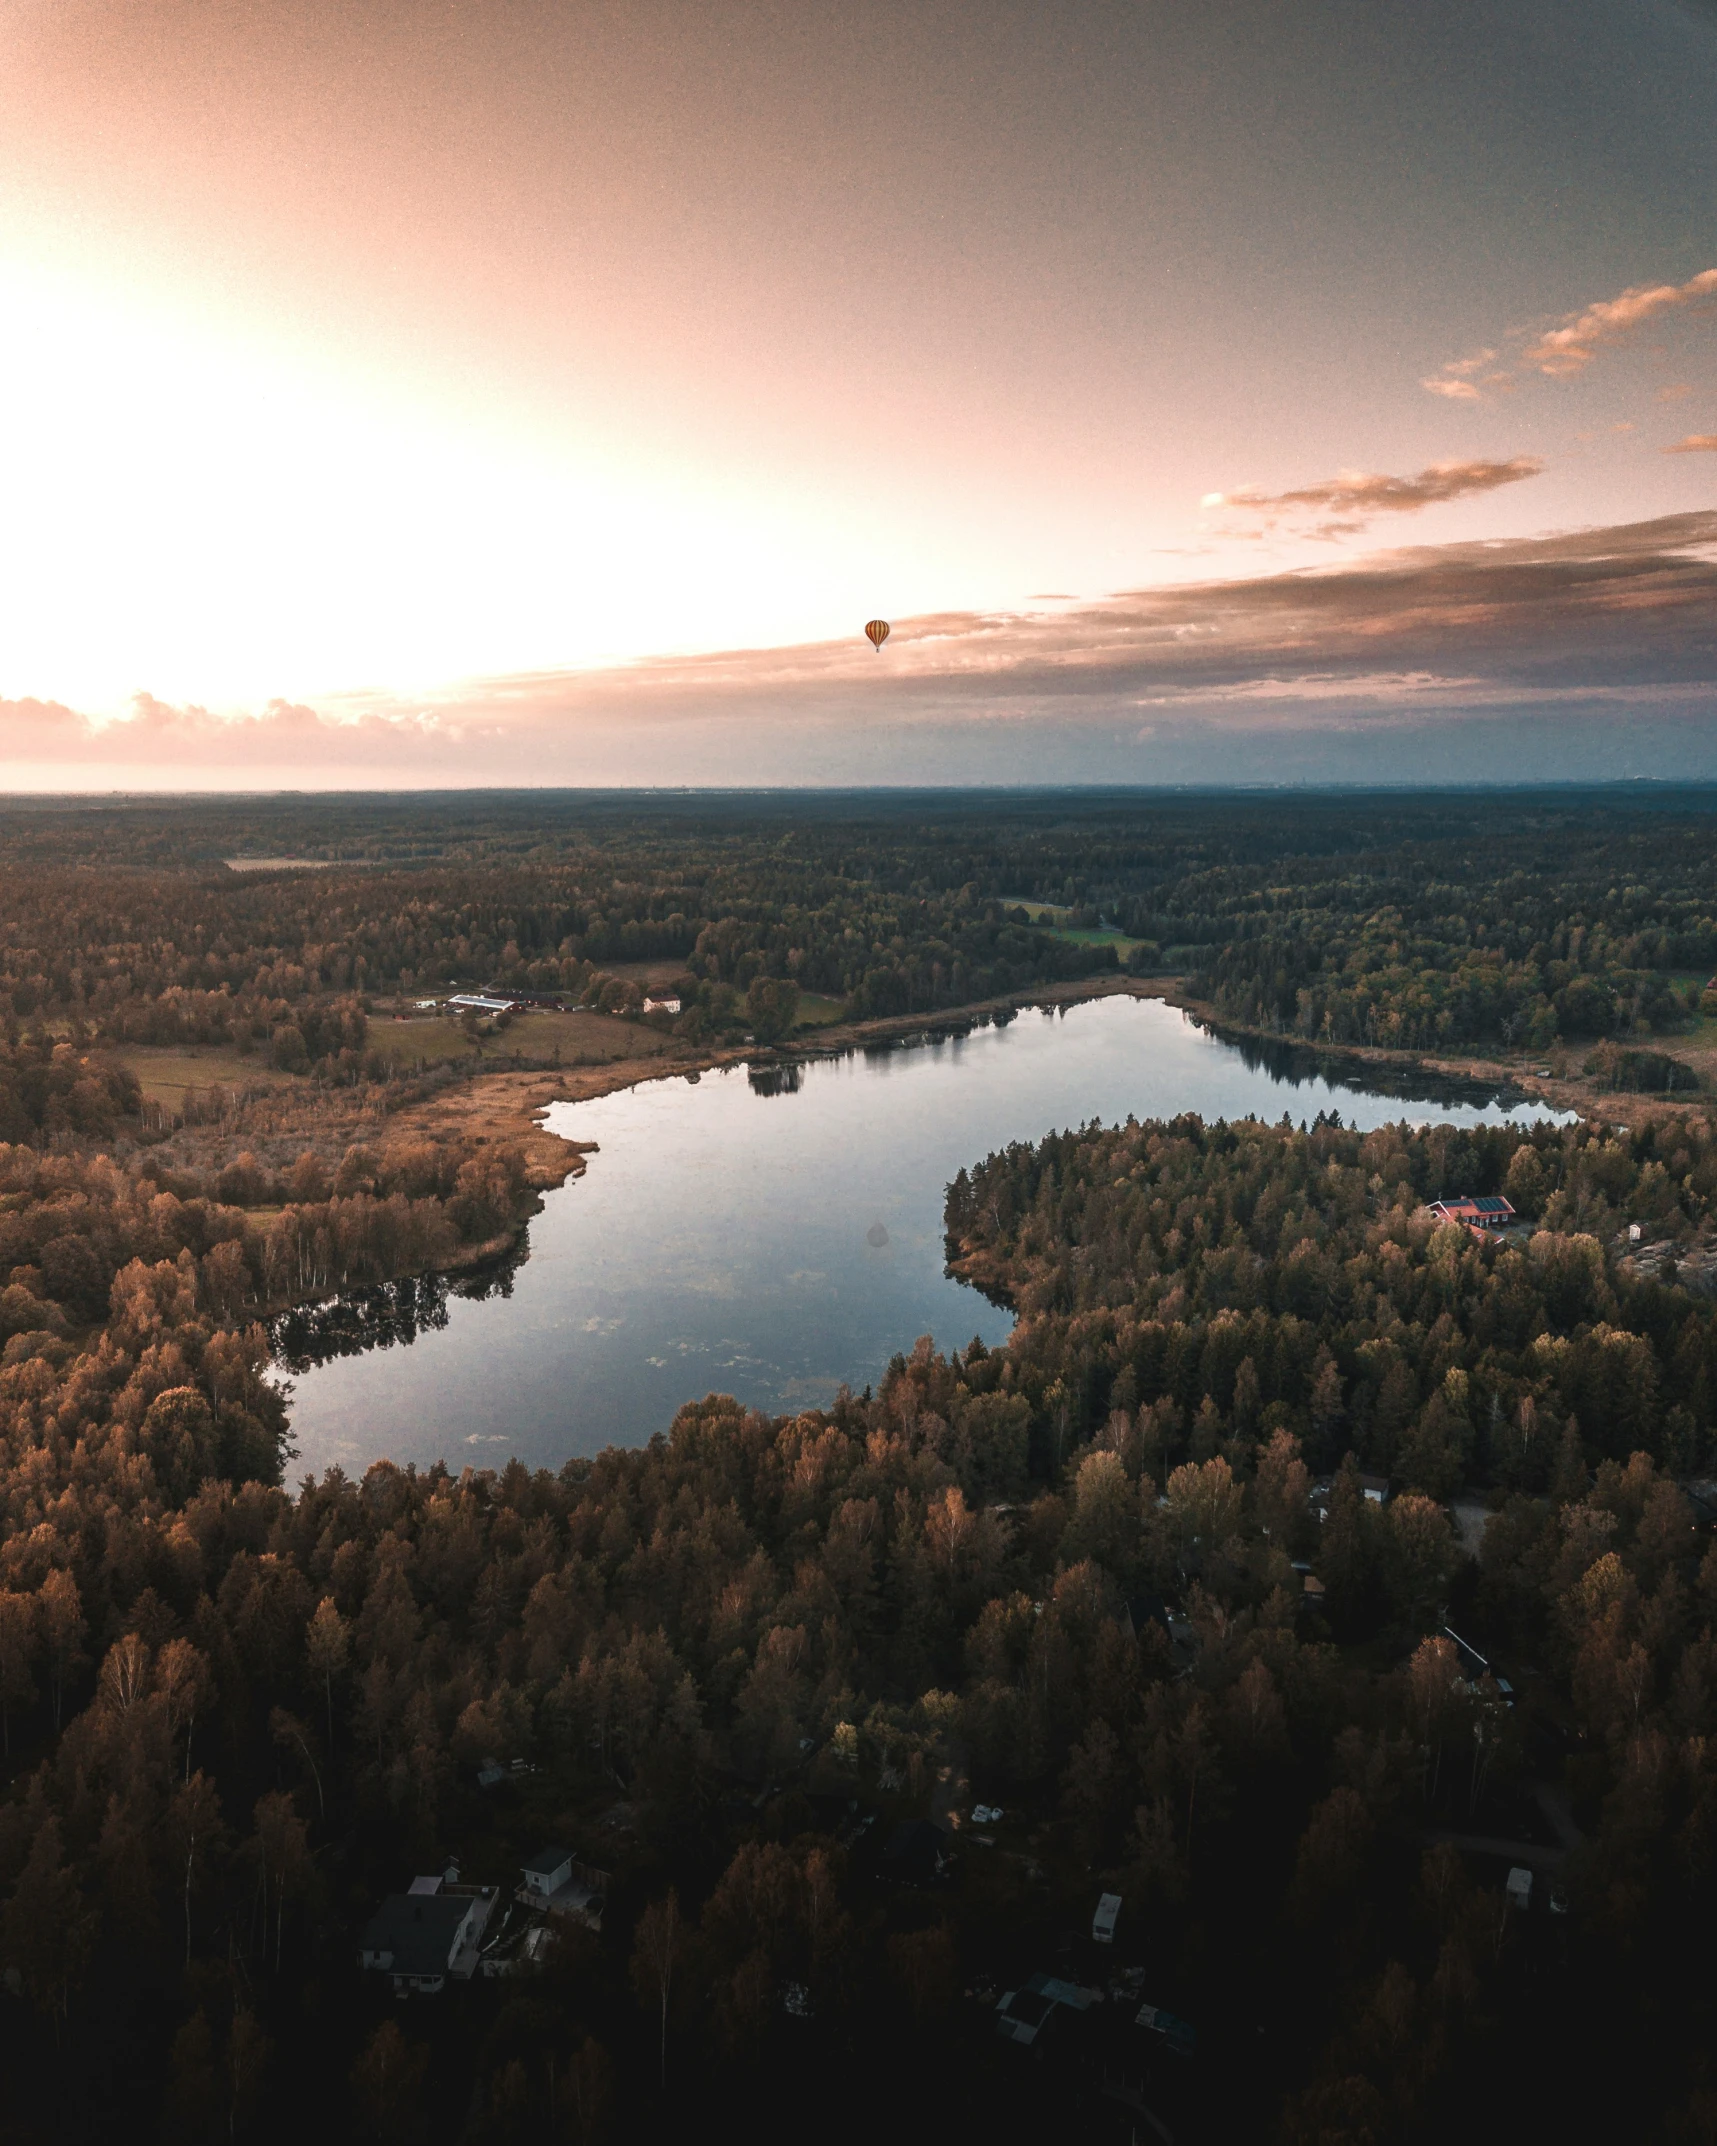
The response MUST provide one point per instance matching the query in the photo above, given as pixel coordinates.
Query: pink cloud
(1367, 492)
(1696, 443)
(1570, 346)
(1622, 617)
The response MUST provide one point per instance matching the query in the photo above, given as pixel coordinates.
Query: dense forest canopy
(1171, 1581)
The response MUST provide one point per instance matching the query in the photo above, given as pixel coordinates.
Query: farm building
(482, 1002)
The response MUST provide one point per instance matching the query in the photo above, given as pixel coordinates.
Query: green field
(578, 1038)
(817, 1011)
(1050, 915)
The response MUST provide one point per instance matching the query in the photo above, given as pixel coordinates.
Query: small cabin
(1104, 1921)
(547, 1871)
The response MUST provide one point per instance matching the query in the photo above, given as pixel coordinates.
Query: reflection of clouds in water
(713, 1282)
(487, 1438)
(596, 1324)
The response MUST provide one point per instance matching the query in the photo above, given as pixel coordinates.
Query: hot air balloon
(877, 630)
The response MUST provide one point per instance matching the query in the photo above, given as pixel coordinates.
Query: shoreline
(512, 1107)
(512, 1104)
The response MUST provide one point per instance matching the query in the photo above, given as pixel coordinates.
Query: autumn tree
(656, 1950)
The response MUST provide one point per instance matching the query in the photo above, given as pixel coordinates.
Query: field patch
(580, 1039)
(818, 1011)
(166, 1071)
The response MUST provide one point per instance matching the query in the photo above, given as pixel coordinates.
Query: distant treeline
(1422, 922)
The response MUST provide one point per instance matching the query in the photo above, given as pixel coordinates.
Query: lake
(768, 1234)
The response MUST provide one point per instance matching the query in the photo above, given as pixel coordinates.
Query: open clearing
(817, 1011)
(166, 1071)
(579, 1039)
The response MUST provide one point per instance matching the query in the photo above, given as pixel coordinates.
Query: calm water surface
(766, 1244)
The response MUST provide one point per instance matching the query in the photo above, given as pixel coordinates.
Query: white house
(558, 1884)
(425, 1937)
(546, 1872)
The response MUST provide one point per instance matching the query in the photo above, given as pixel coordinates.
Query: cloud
(1570, 346)
(1366, 492)
(1322, 686)
(1696, 443)
(1583, 651)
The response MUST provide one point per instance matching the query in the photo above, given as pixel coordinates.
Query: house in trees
(1022, 2015)
(424, 1938)
(545, 1873)
(555, 1882)
(1321, 1496)
(1484, 1217)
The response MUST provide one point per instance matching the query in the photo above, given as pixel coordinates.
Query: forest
(1169, 1586)
(1412, 921)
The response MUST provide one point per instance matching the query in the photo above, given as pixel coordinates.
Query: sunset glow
(353, 358)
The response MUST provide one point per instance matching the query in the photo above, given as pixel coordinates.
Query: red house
(1482, 1217)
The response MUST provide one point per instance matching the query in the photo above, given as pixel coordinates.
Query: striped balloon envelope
(877, 630)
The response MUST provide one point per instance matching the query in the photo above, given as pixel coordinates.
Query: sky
(1268, 391)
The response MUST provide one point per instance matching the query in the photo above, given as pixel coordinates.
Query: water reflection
(767, 1232)
(776, 1080)
(1294, 1064)
(392, 1315)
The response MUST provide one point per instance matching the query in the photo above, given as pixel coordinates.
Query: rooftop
(418, 1930)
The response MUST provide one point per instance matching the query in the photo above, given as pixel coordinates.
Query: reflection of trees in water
(776, 1080)
(391, 1315)
(1295, 1065)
